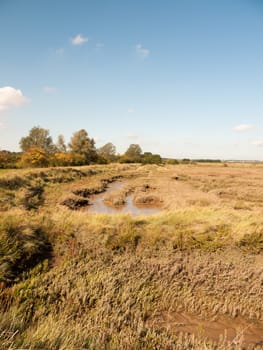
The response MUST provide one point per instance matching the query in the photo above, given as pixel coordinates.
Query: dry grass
(175, 280)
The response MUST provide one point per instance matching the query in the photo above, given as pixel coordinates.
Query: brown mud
(237, 330)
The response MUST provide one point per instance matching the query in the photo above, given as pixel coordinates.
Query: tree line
(39, 150)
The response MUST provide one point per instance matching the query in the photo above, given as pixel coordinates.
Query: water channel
(98, 206)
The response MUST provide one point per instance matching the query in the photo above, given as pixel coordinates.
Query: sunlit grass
(74, 280)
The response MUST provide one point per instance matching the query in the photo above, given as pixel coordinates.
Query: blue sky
(181, 78)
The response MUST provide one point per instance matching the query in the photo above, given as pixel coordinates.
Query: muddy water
(237, 329)
(98, 206)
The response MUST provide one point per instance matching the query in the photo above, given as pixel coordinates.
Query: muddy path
(237, 330)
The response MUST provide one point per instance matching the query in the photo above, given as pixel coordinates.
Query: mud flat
(190, 277)
(237, 330)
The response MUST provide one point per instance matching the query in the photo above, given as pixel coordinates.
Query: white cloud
(79, 40)
(131, 110)
(49, 90)
(244, 127)
(258, 143)
(142, 52)
(11, 97)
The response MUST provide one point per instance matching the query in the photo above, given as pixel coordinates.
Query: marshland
(186, 274)
(136, 221)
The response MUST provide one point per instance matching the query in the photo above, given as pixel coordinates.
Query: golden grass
(119, 282)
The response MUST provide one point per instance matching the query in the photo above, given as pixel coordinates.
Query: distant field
(188, 277)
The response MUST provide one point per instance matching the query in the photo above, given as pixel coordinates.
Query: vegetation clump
(75, 202)
(22, 247)
(39, 150)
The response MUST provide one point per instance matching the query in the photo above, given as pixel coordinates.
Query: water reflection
(99, 207)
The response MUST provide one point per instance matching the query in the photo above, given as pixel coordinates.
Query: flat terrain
(188, 277)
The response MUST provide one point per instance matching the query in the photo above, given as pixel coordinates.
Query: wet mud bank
(238, 330)
(122, 198)
(79, 197)
(114, 196)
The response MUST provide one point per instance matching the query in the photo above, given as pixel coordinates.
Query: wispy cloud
(243, 127)
(49, 90)
(11, 97)
(142, 52)
(79, 39)
(131, 110)
(258, 143)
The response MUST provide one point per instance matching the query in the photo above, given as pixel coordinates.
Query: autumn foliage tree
(61, 157)
(9, 159)
(35, 157)
(38, 150)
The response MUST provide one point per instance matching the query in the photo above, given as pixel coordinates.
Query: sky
(182, 78)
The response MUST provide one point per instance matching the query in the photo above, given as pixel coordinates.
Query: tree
(80, 144)
(133, 154)
(134, 150)
(108, 152)
(63, 159)
(9, 159)
(35, 157)
(149, 158)
(61, 146)
(38, 137)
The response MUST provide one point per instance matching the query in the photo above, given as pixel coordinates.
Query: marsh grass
(22, 246)
(70, 280)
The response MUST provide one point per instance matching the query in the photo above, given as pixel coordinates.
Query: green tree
(61, 146)
(38, 137)
(133, 154)
(149, 158)
(134, 150)
(83, 146)
(108, 152)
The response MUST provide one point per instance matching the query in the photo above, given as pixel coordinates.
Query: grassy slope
(76, 281)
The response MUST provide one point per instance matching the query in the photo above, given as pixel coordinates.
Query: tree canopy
(133, 154)
(35, 157)
(38, 150)
(61, 145)
(108, 152)
(38, 137)
(81, 144)
(149, 158)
